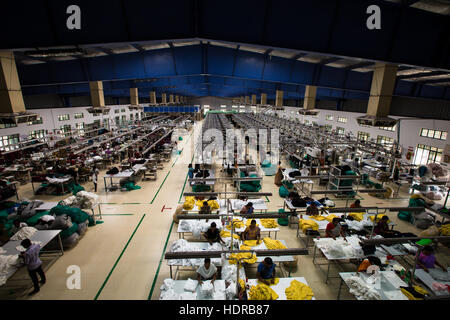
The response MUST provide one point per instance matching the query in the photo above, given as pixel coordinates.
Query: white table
(389, 288)
(281, 286)
(256, 206)
(208, 183)
(181, 231)
(286, 174)
(261, 227)
(428, 280)
(179, 288)
(196, 209)
(120, 175)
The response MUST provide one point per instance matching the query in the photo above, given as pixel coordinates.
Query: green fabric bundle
(75, 188)
(250, 186)
(130, 186)
(3, 215)
(283, 192)
(288, 184)
(180, 138)
(282, 221)
(266, 163)
(200, 188)
(69, 231)
(31, 222)
(76, 214)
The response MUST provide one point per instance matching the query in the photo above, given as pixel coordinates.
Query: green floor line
(131, 203)
(160, 187)
(109, 203)
(118, 259)
(267, 199)
(182, 190)
(160, 261)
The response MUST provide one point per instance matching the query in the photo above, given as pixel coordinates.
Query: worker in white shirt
(95, 178)
(207, 272)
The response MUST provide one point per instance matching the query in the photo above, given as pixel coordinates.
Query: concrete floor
(123, 257)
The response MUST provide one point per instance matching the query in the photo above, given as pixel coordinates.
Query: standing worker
(95, 178)
(190, 171)
(33, 263)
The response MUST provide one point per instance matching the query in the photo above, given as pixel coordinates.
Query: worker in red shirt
(334, 229)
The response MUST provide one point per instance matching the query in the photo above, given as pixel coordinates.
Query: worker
(304, 171)
(427, 260)
(356, 204)
(190, 171)
(205, 209)
(279, 175)
(247, 209)
(252, 232)
(95, 178)
(382, 229)
(366, 263)
(334, 229)
(266, 271)
(213, 234)
(17, 225)
(208, 271)
(312, 209)
(33, 263)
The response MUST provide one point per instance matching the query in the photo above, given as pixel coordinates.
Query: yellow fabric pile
(276, 280)
(379, 216)
(251, 243)
(307, 224)
(236, 223)
(199, 203)
(262, 292)
(298, 291)
(242, 283)
(273, 244)
(269, 223)
(213, 204)
(330, 217)
(227, 234)
(189, 203)
(445, 230)
(249, 221)
(358, 216)
(418, 289)
(250, 258)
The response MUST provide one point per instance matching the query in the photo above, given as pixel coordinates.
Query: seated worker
(334, 229)
(208, 271)
(247, 209)
(356, 204)
(427, 260)
(17, 226)
(266, 271)
(252, 232)
(382, 229)
(205, 209)
(369, 262)
(213, 234)
(312, 209)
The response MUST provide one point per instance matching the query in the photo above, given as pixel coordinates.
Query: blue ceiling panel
(249, 65)
(129, 66)
(404, 88)
(330, 77)
(159, 63)
(303, 72)
(277, 69)
(188, 59)
(220, 60)
(432, 91)
(359, 80)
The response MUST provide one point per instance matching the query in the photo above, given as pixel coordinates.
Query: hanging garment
(298, 291)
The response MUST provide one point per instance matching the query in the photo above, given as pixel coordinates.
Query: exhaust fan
(98, 110)
(374, 121)
(306, 112)
(17, 117)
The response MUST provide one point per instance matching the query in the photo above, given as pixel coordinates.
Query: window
(131, 117)
(329, 117)
(66, 129)
(328, 127)
(63, 117)
(117, 120)
(340, 130)
(124, 120)
(122, 110)
(7, 125)
(96, 123)
(36, 134)
(386, 141)
(223, 106)
(434, 134)
(10, 142)
(37, 121)
(78, 115)
(106, 123)
(363, 136)
(116, 111)
(388, 128)
(306, 121)
(365, 125)
(234, 107)
(80, 127)
(342, 119)
(137, 116)
(427, 154)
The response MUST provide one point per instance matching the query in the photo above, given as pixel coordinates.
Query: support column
(163, 98)
(247, 100)
(383, 84)
(11, 98)
(253, 98)
(309, 103)
(177, 99)
(152, 97)
(171, 98)
(134, 96)
(279, 98)
(97, 96)
(263, 98)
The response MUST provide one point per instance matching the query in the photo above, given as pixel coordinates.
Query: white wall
(51, 122)
(409, 129)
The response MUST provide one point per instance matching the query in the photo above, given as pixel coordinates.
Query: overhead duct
(12, 106)
(134, 100)
(309, 103)
(97, 98)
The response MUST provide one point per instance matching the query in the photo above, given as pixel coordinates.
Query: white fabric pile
(361, 290)
(82, 200)
(340, 248)
(190, 285)
(329, 203)
(184, 246)
(58, 180)
(167, 284)
(238, 204)
(188, 296)
(47, 218)
(206, 289)
(2, 251)
(198, 226)
(8, 265)
(22, 249)
(169, 295)
(24, 233)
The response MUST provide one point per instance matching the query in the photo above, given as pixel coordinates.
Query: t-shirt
(427, 261)
(212, 235)
(31, 257)
(252, 234)
(334, 230)
(266, 272)
(207, 273)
